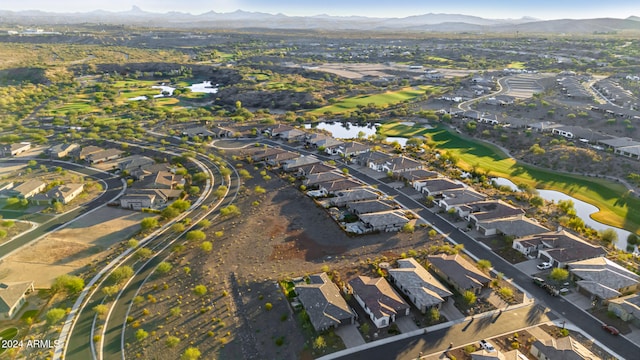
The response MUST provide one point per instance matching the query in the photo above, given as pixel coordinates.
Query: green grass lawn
(7, 334)
(397, 129)
(516, 65)
(29, 314)
(611, 198)
(383, 99)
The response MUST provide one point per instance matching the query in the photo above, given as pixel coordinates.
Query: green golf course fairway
(615, 204)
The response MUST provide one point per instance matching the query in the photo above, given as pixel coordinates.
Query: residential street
(563, 308)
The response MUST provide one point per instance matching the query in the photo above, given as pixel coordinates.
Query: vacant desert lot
(69, 249)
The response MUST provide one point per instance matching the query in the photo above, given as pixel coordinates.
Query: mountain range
(243, 19)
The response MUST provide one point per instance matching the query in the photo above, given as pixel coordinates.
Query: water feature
(345, 130)
(402, 141)
(204, 87)
(583, 209)
(163, 89)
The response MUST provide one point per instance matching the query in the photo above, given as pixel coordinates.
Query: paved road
(572, 313)
(114, 186)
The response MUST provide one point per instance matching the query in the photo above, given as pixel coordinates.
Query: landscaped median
(613, 199)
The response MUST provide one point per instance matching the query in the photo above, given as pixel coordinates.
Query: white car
(544, 266)
(486, 346)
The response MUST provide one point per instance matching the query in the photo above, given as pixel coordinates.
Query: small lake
(583, 209)
(346, 130)
(163, 89)
(204, 87)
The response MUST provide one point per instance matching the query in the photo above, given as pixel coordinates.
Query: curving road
(113, 188)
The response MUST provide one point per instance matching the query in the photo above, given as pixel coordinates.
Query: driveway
(529, 266)
(350, 335)
(449, 311)
(406, 324)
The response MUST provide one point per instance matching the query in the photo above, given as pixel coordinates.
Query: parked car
(544, 266)
(538, 281)
(486, 346)
(610, 329)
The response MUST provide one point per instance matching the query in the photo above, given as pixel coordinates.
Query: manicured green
(516, 65)
(396, 129)
(9, 333)
(383, 99)
(611, 198)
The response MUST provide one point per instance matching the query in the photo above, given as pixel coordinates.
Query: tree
(200, 177)
(100, 309)
(484, 265)
(244, 174)
(632, 239)
(434, 314)
(175, 311)
(57, 207)
(71, 284)
(141, 334)
(536, 201)
(204, 223)
(54, 315)
(164, 267)
(559, 274)
(191, 353)
(609, 236)
(132, 243)
(181, 205)
(169, 213)
(110, 290)
(206, 246)
(408, 228)
(177, 227)
(469, 297)
(143, 253)
(200, 290)
(268, 306)
(230, 211)
(172, 341)
(319, 343)
(259, 190)
(196, 235)
(120, 274)
(149, 223)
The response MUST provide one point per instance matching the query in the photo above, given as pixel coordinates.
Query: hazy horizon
(491, 9)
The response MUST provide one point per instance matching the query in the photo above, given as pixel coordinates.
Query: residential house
(617, 143)
(329, 143)
(416, 178)
(292, 135)
(276, 160)
(323, 303)
(136, 201)
(453, 199)
(12, 296)
(6, 186)
(435, 187)
(261, 154)
(626, 308)
(483, 354)
(342, 198)
(135, 162)
(104, 155)
(61, 193)
(278, 129)
(401, 164)
(387, 221)
(371, 206)
(199, 131)
(602, 279)
(629, 151)
(348, 149)
(379, 300)
(422, 288)
(490, 210)
(459, 273)
(27, 189)
(558, 247)
(516, 227)
(314, 139)
(373, 160)
(564, 348)
(306, 170)
(87, 150)
(62, 150)
(160, 180)
(317, 178)
(333, 186)
(14, 149)
(295, 164)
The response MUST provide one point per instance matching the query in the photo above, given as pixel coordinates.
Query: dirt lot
(280, 234)
(70, 249)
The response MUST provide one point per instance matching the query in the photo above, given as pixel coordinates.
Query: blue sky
(542, 9)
